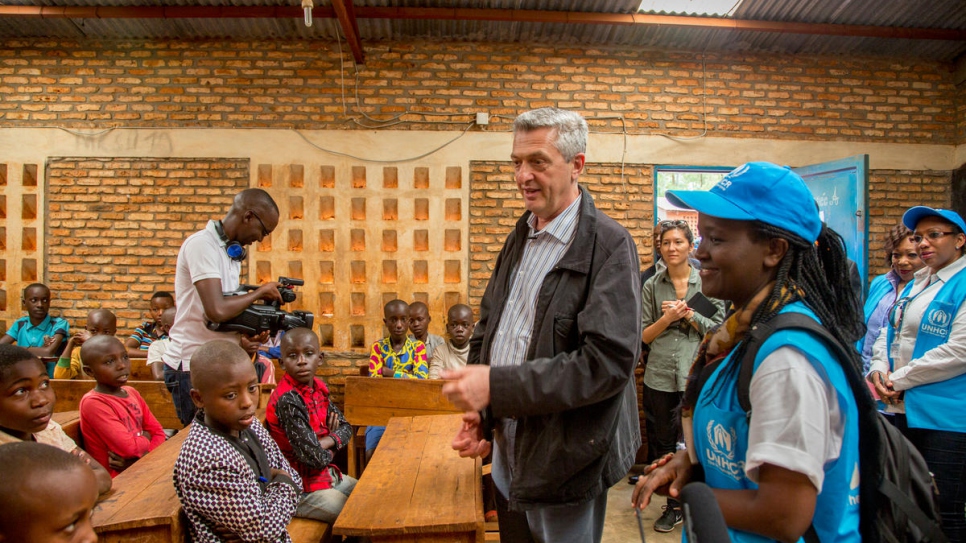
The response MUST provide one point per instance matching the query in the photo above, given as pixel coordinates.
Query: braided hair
(818, 276)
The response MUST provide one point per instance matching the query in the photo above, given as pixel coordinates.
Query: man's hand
(468, 388)
(269, 292)
(667, 479)
(469, 440)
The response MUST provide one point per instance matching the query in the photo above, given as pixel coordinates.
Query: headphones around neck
(235, 251)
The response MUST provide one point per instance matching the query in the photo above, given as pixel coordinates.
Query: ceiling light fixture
(307, 8)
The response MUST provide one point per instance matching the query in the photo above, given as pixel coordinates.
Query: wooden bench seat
(69, 421)
(373, 401)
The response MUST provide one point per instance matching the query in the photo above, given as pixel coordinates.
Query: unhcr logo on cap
(738, 172)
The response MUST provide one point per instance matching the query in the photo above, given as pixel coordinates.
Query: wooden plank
(416, 487)
(372, 401)
(142, 505)
(303, 530)
(70, 391)
(140, 370)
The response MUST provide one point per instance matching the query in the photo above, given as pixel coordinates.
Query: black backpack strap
(930, 529)
(761, 332)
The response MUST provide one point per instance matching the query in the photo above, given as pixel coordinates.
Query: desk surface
(142, 502)
(416, 484)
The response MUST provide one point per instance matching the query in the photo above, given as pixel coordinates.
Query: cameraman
(209, 264)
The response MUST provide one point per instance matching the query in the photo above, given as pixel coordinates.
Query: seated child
(396, 355)
(160, 345)
(38, 332)
(100, 322)
(117, 425)
(308, 428)
(419, 320)
(264, 368)
(137, 345)
(46, 495)
(26, 407)
(453, 353)
(230, 476)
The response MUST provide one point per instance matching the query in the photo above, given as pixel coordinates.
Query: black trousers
(663, 427)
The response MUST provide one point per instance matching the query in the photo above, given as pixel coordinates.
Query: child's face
(26, 399)
(397, 322)
(109, 365)
(301, 356)
(37, 302)
(158, 305)
(418, 320)
(99, 325)
(230, 402)
(460, 325)
(74, 492)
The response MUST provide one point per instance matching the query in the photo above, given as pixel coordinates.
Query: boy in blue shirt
(38, 332)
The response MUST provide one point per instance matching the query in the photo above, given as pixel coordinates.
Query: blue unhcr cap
(758, 191)
(915, 214)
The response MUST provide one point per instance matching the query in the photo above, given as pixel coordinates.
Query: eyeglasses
(932, 236)
(898, 312)
(265, 231)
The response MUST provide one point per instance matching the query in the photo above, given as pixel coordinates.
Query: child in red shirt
(117, 426)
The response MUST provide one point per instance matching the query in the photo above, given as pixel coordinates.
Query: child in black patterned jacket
(230, 476)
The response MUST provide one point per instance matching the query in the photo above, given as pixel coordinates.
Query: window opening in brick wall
(682, 178)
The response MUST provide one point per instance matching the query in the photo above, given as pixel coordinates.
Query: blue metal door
(841, 189)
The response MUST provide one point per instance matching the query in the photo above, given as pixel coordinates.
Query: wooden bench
(416, 487)
(303, 530)
(373, 401)
(70, 391)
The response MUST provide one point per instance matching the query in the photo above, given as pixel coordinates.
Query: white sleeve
(796, 423)
(940, 363)
(156, 351)
(880, 350)
(203, 258)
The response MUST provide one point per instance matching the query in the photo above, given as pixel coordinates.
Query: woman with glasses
(919, 360)
(673, 331)
(786, 466)
(902, 256)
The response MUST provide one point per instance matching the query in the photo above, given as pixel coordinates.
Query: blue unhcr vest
(936, 406)
(721, 437)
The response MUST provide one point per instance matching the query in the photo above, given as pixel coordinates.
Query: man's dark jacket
(574, 396)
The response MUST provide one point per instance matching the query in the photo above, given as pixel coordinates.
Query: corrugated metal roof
(937, 14)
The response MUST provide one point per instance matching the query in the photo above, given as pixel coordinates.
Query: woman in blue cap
(792, 461)
(919, 360)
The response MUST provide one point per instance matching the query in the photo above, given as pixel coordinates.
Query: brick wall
(495, 206)
(115, 225)
(297, 84)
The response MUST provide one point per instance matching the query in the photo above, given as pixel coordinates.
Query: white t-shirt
(156, 350)
(796, 422)
(202, 256)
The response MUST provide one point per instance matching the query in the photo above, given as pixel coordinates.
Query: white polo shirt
(202, 256)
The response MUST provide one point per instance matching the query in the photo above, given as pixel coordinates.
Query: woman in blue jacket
(902, 256)
(792, 461)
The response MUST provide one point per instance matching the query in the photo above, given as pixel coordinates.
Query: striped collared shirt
(543, 250)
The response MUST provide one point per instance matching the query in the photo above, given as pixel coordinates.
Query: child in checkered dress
(230, 476)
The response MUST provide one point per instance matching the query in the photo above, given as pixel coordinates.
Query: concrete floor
(620, 524)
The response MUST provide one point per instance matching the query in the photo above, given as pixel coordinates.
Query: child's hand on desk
(118, 463)
(226, 535)
(387, 371)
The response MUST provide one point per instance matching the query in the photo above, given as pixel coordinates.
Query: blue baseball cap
(915, 214)
(758, 191)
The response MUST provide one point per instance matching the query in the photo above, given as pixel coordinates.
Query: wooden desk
(142, 505)
(416, 488)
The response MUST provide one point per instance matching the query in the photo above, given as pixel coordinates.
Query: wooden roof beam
(346, 14)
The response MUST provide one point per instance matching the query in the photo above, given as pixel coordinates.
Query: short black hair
(10, 356)
(22, 462)
(162, 294)
(33, 285)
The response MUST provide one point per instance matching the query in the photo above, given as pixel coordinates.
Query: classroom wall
(111, 152)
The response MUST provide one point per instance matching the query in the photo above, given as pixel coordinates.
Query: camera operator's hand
(269, 292)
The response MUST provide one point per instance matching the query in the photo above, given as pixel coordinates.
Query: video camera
(262, 316)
